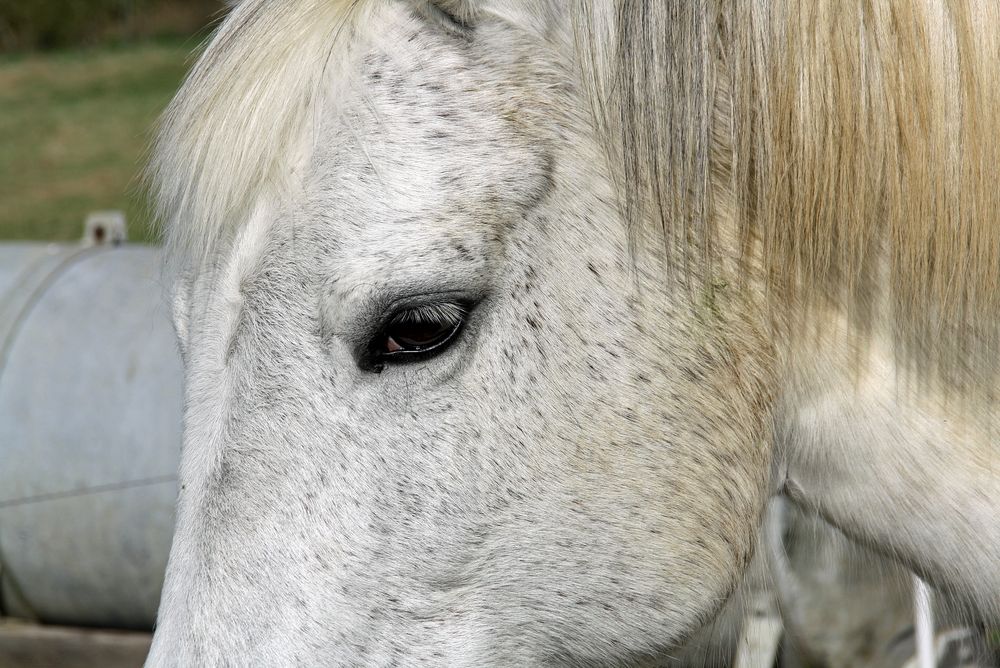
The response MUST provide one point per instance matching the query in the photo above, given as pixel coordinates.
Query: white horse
(503, 319)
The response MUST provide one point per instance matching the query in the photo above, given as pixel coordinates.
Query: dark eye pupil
(418, 335)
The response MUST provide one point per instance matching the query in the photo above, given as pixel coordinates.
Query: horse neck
(891, 462)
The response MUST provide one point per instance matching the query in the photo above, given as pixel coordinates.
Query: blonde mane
(864, 150)
(863, 143)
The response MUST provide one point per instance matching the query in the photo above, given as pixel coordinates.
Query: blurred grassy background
(81, 85)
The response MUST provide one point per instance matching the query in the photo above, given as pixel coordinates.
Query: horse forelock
(859, 141)
(237, 129)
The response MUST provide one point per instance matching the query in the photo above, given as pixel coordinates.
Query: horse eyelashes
(452, 312)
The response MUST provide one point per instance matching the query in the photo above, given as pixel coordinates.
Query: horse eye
(419, 332)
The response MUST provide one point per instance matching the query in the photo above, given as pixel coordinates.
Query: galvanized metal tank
(90, 429)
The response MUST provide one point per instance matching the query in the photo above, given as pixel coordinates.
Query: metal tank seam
(36, 296)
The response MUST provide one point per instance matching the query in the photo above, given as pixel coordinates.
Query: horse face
(436, 410)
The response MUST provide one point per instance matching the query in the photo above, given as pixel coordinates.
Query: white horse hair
(503, 319)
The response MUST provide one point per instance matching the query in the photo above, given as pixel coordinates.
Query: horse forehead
(418, 171)
(421, 138)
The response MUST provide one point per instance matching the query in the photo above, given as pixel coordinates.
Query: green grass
(74, 130)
